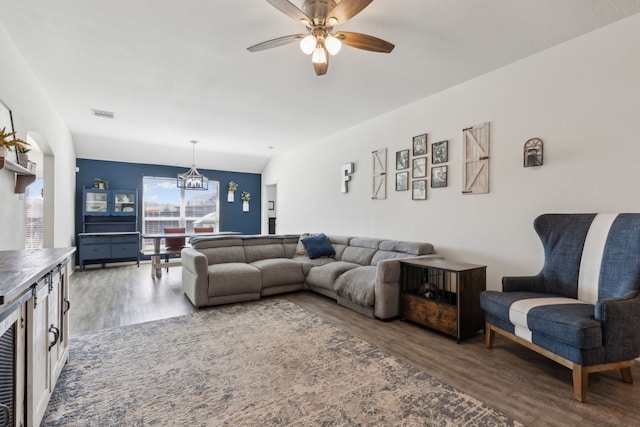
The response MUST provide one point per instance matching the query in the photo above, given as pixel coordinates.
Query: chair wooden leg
(626, 375)
(489, 335)
(580, 382)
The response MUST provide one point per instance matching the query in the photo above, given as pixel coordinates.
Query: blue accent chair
(583, 309)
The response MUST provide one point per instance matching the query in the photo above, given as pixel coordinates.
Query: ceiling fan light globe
(332, 22)
(333, 44)
(319, 55)
(308, 44)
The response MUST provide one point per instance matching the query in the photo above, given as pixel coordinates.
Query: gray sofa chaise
(364, 273)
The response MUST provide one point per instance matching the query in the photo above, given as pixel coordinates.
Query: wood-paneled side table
(443, 295)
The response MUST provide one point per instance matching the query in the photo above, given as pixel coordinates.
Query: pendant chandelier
(192, 179)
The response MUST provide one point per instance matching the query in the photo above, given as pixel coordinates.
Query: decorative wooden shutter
(475, 161)
(379, 174)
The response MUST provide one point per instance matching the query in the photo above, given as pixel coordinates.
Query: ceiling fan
(320, 17)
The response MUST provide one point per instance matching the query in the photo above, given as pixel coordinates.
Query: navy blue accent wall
(128, 176)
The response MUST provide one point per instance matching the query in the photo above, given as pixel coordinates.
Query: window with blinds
(34, 216)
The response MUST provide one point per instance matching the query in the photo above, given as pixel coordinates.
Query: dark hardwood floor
(517, 381)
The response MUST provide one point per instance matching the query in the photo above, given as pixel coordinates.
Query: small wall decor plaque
(533, 152)
(345, 176)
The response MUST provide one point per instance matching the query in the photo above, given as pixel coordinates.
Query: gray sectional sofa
(364, 273)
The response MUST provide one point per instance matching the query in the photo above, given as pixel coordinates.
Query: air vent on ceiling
(103, 114)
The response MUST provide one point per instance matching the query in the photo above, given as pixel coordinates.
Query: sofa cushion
(565, 320)
(413, 248)
(361, 250)
(221, 255)
(279, 271)
(382, 255)
(318, 246)
(325, 276)
(263, 247)
(300, 249)
(233, 278)
(339, 244)
(358, 285)
(307, 263)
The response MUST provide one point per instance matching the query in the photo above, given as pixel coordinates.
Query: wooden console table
(34, 329)
(443, 295)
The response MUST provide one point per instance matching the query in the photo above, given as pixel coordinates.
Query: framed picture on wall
(419, 190)
(272, 205)
(439, 152)
(402, 181)
(402, 159)
(419, 167)
(420, 145)
(438, 176)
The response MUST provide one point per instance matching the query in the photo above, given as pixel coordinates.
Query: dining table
(158, 251)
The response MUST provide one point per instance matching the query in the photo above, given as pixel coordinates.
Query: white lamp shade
(307, 44)
(333, 44)
(319, 55)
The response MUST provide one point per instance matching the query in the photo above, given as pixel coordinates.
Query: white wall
(582, 98)
(34, 114)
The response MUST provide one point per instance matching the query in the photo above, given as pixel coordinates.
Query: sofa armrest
(387, 289)
(620, 318)
(195, 280)
(523, 283)
(387, 286)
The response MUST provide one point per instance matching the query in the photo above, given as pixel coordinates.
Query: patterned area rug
(268, 363)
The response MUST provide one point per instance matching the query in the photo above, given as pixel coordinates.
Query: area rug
(267, 363)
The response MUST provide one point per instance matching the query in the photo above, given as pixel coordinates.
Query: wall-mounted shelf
(24, 176)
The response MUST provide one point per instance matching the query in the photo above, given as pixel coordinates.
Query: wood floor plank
(508, 377)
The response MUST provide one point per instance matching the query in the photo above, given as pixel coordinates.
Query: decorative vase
(23, 159)
(245, 206)
(230, 196)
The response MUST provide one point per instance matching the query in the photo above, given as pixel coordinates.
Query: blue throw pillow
(318, 246)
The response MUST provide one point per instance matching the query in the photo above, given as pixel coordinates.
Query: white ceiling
(175, 71)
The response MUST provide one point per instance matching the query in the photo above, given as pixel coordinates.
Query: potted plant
(100, 183)
(9, 142)
(231, 189)
(246, 196)
(23, 157)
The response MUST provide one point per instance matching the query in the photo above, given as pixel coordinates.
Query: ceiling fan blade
(290, 10)
(347, 9)
(363, 41)
(280, 41)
